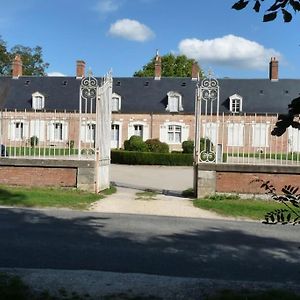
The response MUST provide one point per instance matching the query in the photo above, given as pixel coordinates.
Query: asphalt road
(200, 248)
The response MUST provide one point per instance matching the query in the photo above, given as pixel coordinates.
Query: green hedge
(149, 158)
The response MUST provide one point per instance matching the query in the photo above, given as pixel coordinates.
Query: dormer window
(235, 103)
(174, 102)
(116, 102)
(38, 101)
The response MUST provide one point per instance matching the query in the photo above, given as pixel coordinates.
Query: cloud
(107, 6)
(229, 50)
(56, 74)
(131, 30)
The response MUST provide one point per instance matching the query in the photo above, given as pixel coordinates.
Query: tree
(4, 58)
(172, 66)
(32, 59)
(283, 6)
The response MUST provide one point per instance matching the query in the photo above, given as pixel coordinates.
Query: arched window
(174, 102)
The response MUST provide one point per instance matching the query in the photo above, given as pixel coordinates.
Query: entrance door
(115, 136)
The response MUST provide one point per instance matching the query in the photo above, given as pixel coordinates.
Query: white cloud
(131, 30)
(56, 74)
(229, 50)
(108, 6)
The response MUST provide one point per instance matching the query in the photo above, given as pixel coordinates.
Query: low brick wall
(242, 179)
(48, 173)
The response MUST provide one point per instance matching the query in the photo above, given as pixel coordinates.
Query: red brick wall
(38, 176)
(236, 182)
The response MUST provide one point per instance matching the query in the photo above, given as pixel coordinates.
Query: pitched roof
(146, 95)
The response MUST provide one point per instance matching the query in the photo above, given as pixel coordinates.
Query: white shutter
(145, 132)
(50, 131)
(130, 130)
(259, 135)
(236, 134)
(65, 133)
(185, 132)
(83, 129)
(163, 134)
(26, 129)
(11, 130)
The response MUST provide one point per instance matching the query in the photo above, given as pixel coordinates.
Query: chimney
(273, 69)
(17, 67)
(195, 71)
(80, 69)
(157, 71)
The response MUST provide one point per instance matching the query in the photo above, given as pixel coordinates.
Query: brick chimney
(273, 69)
(195, 71)
(80, 69)
(157, 70)
(17, 67)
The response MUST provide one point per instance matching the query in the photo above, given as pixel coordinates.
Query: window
(88, 132)
(38, 101)
(174, 134)
(174, 102)
(260, 135)
(138, 130)
(116, 134)
(235, 137)
(235, 103)
(116, 103)
(19, 131)
(57, 131)
(210, 131)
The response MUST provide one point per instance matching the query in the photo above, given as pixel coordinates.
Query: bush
(156, 146)
(187, 147)
(150, 158)
(135, 143)
(206, 144)
(34, 140)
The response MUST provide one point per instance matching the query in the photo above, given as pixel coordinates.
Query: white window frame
(233, 107)
(210, 131)
(145, 129)
(115, 107)
(88, 131)
(52, 132)
(118, 142)
(235, 134)
(12, 130)
(170, 107)
(260, 139)
(38, 101)
(165, 136)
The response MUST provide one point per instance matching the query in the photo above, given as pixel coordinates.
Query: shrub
(34, 140)
(206, 144)
(71, 144)
(156, 146)
(187, 147)
(135, 143)
(150, 158)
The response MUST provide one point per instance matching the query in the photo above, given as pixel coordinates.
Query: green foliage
(71, 144)
(188, 147)
(206, 144)
(290, 198)
(32, 59)
(34, 140)
(135, 143)
(156, 146)
(172, 66)
(148, 158)
(271, 11)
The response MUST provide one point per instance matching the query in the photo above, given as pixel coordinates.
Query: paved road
(58, 239)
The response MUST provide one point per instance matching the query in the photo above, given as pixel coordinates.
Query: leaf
(240, 5)
(295, 5)
(275, 6)
(288, 217)
(256, 7)
(270, 17)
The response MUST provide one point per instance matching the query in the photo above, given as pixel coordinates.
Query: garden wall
(242, 179)
(48, 173)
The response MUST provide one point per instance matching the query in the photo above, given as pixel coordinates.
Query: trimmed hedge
(149, 158)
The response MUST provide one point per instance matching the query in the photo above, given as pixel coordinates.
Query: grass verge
(147, 195)
(49, 197)
(232, 205)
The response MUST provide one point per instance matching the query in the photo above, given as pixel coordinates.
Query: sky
(123, 35)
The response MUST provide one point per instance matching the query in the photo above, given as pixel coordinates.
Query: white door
(115, 136)
(293, 140)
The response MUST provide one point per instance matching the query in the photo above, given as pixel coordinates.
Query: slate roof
(146, 95)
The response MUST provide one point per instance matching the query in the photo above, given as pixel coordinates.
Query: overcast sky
(123, 35)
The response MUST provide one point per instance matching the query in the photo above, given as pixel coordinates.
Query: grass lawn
(49, 197)
(231, 205)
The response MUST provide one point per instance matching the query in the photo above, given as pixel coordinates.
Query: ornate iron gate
(95, 125)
